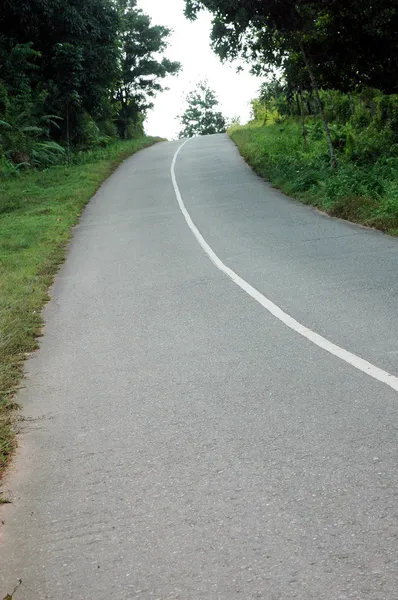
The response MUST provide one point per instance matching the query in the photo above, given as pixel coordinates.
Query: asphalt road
(180, 441)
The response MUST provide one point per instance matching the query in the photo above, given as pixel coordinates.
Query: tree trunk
(309, 105)
(266, 116)
(125, 117)
(315, 87)
(352, 105)
(67, 134)
(289, 103)
(300, 103)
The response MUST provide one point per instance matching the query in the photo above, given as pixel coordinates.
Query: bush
(135, 129)
(363, 190)
(7, 168)
(24, 134)
(338, 107)
(108, 129)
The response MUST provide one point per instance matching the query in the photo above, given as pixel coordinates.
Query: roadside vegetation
(285, 143)
(325, 124)
(76, 82)
(37, 211)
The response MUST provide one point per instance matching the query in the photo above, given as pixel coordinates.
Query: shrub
(364, 189)
(24, 134)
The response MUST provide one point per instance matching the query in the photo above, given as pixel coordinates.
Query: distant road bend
(213, 412)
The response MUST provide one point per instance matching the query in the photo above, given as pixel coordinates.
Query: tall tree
(349, 43)
(76, 45)
(355, 44)
(87, 61)
(201, 116)
(89, 29)
(267, 30)
(317, 35)
(140, 68)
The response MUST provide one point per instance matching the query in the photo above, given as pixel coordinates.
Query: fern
(24, 138)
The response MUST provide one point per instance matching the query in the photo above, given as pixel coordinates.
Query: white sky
(190, 45)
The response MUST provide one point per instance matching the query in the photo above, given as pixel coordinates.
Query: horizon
(190, 45)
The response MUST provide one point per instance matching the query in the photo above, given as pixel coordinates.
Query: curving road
(197, 432)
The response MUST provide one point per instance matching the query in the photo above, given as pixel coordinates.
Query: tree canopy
(347, 43)
(140, 69)
(326, 44)
(201, 116)
(96, 65)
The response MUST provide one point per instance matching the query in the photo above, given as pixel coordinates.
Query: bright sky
(190, 45)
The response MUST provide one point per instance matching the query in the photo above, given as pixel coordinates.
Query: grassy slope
(37, 212)
(363, 193)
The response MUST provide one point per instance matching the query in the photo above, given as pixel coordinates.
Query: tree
(77, 51)
(337, 44)
(349, 43)
(268, 29)
(140, 69)
(356, 45)
(201, 118)
(91, 62)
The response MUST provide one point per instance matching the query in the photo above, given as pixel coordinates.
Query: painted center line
(352, 359)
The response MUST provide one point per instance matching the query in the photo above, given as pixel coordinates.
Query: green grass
(37, 212)
(363, 189)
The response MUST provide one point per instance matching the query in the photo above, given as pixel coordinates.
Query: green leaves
(97, 62)
(24, 136)
(347, 43)
(141, 69)
(201, 118)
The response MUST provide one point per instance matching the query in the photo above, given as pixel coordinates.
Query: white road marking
(348, 357)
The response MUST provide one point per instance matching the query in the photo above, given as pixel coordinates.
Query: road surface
(184, 439)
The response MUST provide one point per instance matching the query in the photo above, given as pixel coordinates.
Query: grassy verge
(364, 190)
(37, 212)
